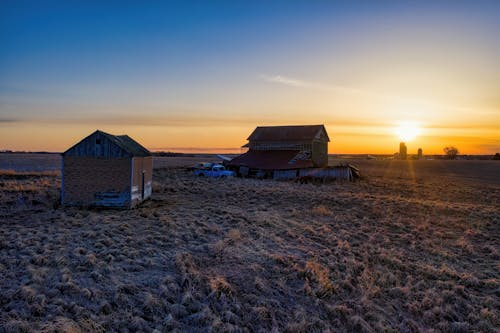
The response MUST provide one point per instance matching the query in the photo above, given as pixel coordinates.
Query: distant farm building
(106, 170)
(402, 151)
(285, 152)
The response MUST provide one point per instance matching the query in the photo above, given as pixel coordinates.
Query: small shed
(106, 170)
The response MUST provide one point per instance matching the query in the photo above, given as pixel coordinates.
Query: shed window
(97, 141)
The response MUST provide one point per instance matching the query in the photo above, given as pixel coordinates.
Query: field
(414, 246)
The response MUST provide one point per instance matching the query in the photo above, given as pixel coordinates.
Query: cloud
(457, 125)
(16, 92)
(284, 80)
(5, 120)
(193, 118)
(494, 147)
(294, 82)
(299, 83)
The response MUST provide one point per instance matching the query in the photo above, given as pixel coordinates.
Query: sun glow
(407, 131)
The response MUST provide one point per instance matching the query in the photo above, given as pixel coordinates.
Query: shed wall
(91, 180)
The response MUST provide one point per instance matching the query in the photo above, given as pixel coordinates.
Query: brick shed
(106, 170)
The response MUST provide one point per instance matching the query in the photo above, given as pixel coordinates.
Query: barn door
(142, 185)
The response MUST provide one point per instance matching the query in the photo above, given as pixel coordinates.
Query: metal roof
(130, 145)
(124, 142)
(271, 160)
(288, 133)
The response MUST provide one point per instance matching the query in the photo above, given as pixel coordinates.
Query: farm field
(414, 246)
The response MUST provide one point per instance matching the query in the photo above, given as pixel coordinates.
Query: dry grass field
(411, 247)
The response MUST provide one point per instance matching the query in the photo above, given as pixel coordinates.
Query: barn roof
(288, 133)
(124, 142)
(271, 160)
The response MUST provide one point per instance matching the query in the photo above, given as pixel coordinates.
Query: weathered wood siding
(319, 154)
(285, 174)
(96, 181)
(141, 165)
(340, 172)
(332, 173)
(97, 145)
(280, 145)
(317, 148)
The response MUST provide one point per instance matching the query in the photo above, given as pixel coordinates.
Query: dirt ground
(414, 246)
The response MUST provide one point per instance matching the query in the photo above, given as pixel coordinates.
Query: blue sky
(170, 66)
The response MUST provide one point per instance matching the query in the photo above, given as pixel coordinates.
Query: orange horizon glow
(346, 139)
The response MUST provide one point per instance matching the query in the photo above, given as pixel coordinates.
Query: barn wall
(320, 154)
(280, 145)
(342, 173)
(96, 181)
(285, 174)
(140, 165)
(339, 173)
(97, 145)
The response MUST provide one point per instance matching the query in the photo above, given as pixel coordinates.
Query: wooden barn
(283, 149)
(106, 170)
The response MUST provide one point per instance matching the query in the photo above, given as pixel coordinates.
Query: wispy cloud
(300, 83)
(284, 80)
(187, 119)
(294, 82)
(8, 120)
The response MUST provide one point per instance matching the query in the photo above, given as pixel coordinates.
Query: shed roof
(124, 142)
(288, 133)
(271, 160)
(129, 145)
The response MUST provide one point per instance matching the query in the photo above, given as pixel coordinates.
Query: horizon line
(8, 151)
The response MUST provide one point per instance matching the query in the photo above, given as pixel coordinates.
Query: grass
(389, 253)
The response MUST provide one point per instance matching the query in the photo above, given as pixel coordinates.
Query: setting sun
(407, 131)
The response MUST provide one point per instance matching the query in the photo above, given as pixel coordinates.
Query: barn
(274, 150)
(106, 170)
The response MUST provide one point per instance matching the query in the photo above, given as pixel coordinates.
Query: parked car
(216, 171)
(200, 165)
(204, 165)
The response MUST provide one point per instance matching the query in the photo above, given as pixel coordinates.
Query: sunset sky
(201, 75)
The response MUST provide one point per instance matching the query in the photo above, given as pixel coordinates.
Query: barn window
(97, 141)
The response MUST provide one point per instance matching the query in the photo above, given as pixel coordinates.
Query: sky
(201, 75)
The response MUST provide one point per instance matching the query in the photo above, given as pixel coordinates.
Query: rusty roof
(288, 133)
(271, 160)
(131, 146)
(124, 142)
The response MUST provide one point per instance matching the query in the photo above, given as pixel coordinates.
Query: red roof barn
(106, 170)
(285, 148)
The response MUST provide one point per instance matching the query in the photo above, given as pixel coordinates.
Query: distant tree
(451, 152)
(496, 156)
